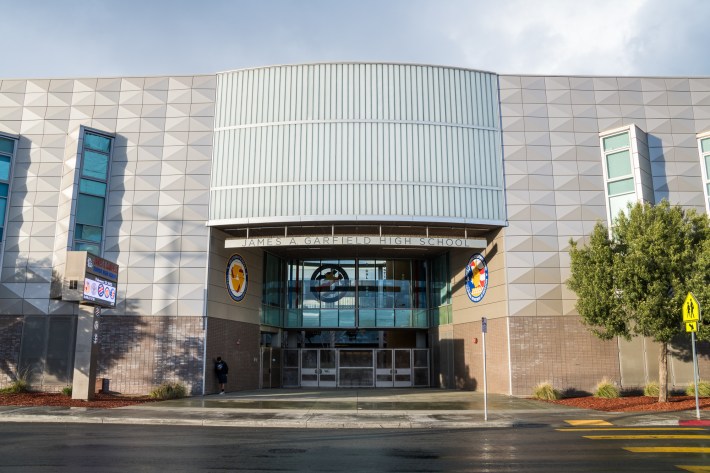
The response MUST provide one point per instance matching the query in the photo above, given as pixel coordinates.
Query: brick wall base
(556, 349)
(559, 350)
(470, 365)
(138, 354)
(238, 344)
(10, 339)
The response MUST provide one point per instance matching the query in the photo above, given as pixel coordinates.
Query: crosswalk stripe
(668, 449)
(588, 422)
(620, 429)
(694, 468)
(647, 437)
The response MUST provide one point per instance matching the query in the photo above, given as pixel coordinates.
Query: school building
(328, 225)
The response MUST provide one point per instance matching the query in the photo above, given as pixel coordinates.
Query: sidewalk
(344, 408)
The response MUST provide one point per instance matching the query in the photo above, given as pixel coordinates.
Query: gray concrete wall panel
(156, 213)
(554, 173)
(555, 191)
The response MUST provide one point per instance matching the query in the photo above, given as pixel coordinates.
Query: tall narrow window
(7, 150)
(619, 173)
(627, 169)
(704, 147)
(93, 188)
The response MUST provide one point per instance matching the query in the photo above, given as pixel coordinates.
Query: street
(127, 448)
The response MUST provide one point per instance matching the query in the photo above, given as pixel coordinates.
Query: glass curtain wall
(274, 283)
(93, 190)
(7, 150)
(350, 293)
(440, 291)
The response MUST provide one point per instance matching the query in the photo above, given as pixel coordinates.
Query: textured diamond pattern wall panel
(554, 173)
(158, 187)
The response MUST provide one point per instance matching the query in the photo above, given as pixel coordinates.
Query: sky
(101, 38)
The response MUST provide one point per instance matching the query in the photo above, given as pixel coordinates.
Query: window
(93, 189)
(7, 150)
(704, 147)
(627, 169)
(619, 173)
(352, 293)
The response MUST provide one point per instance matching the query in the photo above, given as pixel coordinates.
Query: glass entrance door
(348, 367)
(402, 368)
(309, 368)
(384, 376)
(318, 368)
(327, 369)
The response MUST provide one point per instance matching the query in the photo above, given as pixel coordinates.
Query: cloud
(133, 37)
(550, 37)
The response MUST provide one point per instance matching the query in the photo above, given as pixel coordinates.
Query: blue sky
(88, 38)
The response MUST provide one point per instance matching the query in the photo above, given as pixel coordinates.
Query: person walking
(221, 369)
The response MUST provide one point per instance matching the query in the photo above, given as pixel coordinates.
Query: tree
(634, 282)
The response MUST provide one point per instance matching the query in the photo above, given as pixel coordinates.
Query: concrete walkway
(344, 408)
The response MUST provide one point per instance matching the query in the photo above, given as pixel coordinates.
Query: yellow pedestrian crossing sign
(691, 326)
(691, 309)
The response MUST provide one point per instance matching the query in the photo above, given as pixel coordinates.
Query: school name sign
(357, 240)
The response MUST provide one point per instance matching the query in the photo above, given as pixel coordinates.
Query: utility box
(102, 385)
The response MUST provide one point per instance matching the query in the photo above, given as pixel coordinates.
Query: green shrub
(21, 384)
(703, 389)
(651, 389)
(67, 391)
(168, 391)
(606, 389)
(546, 392)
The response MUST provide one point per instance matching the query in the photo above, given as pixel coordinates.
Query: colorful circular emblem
(329, 283)
(476, 277)
(237, 278)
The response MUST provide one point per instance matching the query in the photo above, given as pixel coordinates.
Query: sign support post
(695, 377)
(484, 329)
(85, 354)
(691, 319)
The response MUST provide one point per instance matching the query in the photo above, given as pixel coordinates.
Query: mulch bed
(635, 403)
(622, 404)
(100, 401)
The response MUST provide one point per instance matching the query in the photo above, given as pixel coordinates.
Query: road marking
(619, 429)
(588, 422)
(694, 468)
(647, 437)
(668, 449)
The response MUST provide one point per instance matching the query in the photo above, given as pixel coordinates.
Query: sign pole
(484, 329)
(695, 377)
(692, 315)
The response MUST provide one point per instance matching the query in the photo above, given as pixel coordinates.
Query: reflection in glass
(352, 293)
(100, 143)
(95, 165)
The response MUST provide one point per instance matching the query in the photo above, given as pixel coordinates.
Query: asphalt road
(123, 448)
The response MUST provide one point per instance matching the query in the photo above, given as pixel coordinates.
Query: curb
(404, 423)
(694, 423)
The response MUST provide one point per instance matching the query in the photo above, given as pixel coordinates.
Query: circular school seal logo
(329, 283)
(476, 277)
(237, 278)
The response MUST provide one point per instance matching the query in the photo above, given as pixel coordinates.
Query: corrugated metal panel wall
(357, 141)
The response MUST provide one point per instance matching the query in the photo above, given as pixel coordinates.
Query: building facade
(332, 225)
